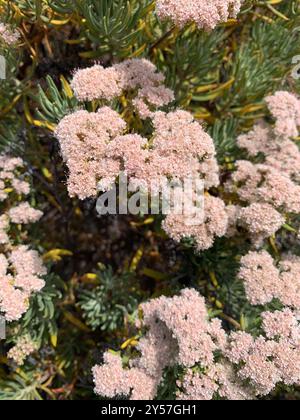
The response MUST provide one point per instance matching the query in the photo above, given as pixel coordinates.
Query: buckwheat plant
(98, 146)
(22, 269)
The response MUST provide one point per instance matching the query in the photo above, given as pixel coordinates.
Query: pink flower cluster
(215, 224)
(21, 269)
(19, 278)
(84, 137)
(23, 214)
(9, 36)
(111, 379)
(179, 149)
(261, 183)
(219, 380)
(265, 281)
(10, 177)
(23, 348)
(236, 366)
(136, 77)
(285, 108)
(12, 181)
(207, 14)
(97, 150)
(267, 361)
(179, 332)
(261, 220)
(270, 189)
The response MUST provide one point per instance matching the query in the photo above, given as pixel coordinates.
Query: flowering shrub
(179, 329)
(180, 332)
(21, 268)
(270, 188)
(178, 149)
(196, 299)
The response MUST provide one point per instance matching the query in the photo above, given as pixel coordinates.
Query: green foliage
(10, 94)
(62, 6)
(109, 304)
(114, 25)
(40, 321)
(54, 104)
(19, 387)
(193, 62)
(224, 134)
(10, 139)
(260, 64)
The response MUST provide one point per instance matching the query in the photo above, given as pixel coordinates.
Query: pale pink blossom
(144, 387)
(28, 266)
(286, 159)
(152, 97)
(220, 380)
(3, 193)
(238, 346)
(83, 138)
(267, 362)
(282, 324)
(287, 360)
(230, 386)
(138, 75)
(178, 146)
(258, 140)
(178, 331)
(260, 183)
(20, 186)
(21, 268)
(23, 348)
(261, 220)
(183, 148)
(96, 83)
(205, 13)
(16, 289)
(265, 281)
(13, 302)
(111, 380)
(9, 36)
(289, 269)
(23, 214)
(262, 373)
(186, 317)
(280, 154)
(9, 164)
(7, 175)
(3, 265)
(260, 277)
(197, 386)
(214, 225)
(96, 155)
(285, 108)
(278, 189)
(244, 181)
